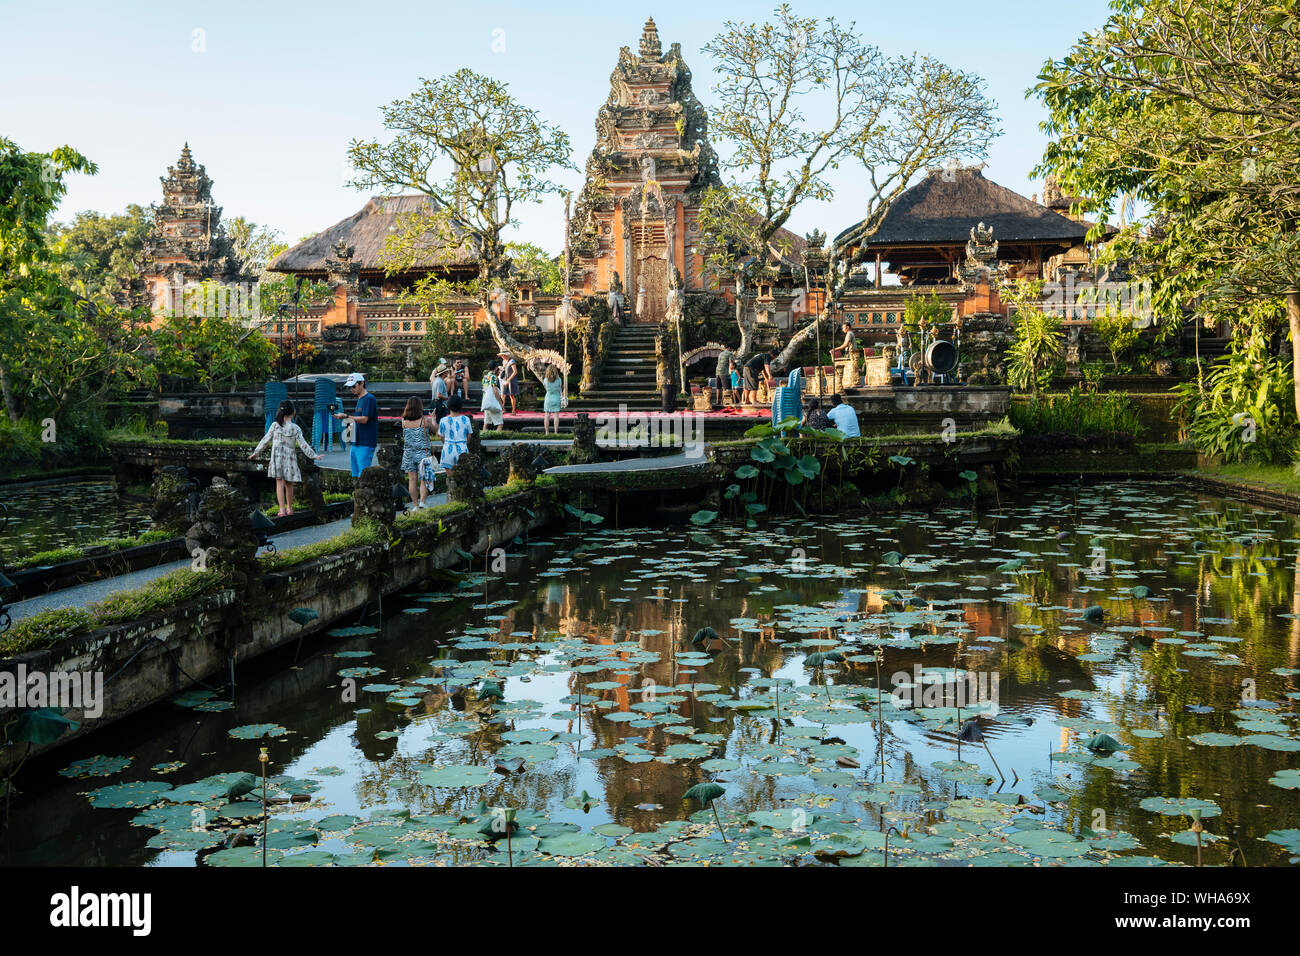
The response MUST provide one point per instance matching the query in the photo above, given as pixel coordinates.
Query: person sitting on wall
(460, 379)
(843, 417)
(815, 418)
(365, 424)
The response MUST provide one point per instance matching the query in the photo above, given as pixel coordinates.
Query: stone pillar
(222, 539)
(310, 489)
(372, 499)
(173, 499)
(584, 450)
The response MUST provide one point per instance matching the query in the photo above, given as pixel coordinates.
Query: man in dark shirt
(365, 422)
(756, 368)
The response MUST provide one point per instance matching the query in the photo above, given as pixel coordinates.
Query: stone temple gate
(636, 219)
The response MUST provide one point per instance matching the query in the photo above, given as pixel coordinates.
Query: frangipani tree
(799, 98)
(465, 142)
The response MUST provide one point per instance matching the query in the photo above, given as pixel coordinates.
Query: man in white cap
(365, 421)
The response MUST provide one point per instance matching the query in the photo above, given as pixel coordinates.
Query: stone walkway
(83, 595)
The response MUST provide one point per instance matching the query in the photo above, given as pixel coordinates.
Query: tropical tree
(54, 342)
(255, 246)
(478, 154)
(798, 98)
(532, 262)
(211, 349)
(1035, 349)
(99, 255)
(1192, 108)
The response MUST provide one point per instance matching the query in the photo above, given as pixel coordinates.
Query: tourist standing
(843, 417)
(365, 422)
(510, 380)
(415, 448)
(554, 400)
(491, 402)
(285, 438)
(735, 383)
(455, 430)
(441, 391)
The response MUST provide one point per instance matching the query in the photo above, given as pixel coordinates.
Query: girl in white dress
(285, 438)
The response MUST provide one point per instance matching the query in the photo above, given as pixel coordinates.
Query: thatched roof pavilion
(366, 233)
(925, 232)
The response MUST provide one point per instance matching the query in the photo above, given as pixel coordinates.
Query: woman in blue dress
(554, 400)
(415, 448)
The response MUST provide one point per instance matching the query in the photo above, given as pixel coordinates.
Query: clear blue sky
(270, 101)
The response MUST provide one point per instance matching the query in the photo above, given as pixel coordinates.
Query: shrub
(45, 630)
(1109, 418)
(1244, 409)
(355, 537)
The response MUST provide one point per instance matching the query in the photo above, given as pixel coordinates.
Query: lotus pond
(46, 515)
(1134, 651)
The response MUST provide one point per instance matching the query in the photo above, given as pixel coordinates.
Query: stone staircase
(628, 375)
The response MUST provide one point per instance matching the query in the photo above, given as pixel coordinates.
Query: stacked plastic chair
(273, 395)
(788, 400)
(324, 426)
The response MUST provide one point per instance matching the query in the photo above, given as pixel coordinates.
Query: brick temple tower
(637, 214)
(188, 243)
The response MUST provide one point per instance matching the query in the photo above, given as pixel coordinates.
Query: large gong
(941, 357)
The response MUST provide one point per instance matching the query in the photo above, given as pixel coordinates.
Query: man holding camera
(365, 424)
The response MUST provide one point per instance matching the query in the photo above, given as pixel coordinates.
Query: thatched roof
(945, 206)
(367, 231)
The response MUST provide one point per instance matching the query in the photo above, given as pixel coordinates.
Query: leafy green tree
(1116, 331)
(211, 349)
(254, 245)
(797, 98)
(1191, 107)
(478, 154)
(54, 343)
(532, 262)
(101, 254)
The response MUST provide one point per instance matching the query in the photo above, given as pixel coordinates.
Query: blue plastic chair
(324, 426)
(272, 395)
(788, 400)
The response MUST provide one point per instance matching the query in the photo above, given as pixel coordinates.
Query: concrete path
(83, 595)
(662, 463)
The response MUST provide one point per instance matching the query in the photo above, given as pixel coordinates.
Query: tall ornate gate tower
(637, 214)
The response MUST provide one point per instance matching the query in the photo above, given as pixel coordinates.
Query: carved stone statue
(222, 538)
(676, 306)
(617, 304)
(173, 499)
(1074, 351)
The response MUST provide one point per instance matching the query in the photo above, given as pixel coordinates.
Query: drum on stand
(941, 357)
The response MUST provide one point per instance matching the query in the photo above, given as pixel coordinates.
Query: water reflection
(45, 516)
(609, 618)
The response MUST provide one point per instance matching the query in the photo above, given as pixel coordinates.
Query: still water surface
(613, 713)
(44, 516)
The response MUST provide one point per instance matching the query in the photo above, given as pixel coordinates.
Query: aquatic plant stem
(722, 832)
(262, 759)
